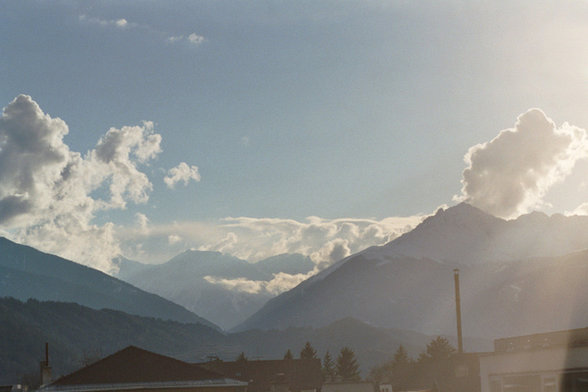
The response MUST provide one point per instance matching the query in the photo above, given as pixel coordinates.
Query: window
(549, 384)
(495, 386)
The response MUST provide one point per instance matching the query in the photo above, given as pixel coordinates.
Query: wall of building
(555, 369)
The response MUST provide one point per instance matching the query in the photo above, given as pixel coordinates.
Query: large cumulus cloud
(511, 174)
(49, 194)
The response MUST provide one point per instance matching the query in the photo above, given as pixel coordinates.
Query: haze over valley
(212, 179)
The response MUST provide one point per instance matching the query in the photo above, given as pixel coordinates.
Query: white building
(547, 362)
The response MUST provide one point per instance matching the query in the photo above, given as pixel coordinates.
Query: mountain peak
(452, 234)
(534, 217)
(463, 210)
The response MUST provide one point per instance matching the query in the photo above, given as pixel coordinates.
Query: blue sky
(346, 111)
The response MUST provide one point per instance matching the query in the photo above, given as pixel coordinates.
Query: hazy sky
(224, 125)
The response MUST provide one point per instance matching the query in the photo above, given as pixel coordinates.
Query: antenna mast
(458, 311)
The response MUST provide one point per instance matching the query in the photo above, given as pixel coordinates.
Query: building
(385, 387)
(143, 371)
(545, 362)
(285, 375)
(349, 386)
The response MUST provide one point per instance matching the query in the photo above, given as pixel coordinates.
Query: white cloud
(116, 157)
(183, 173)
(239, 284)
(254, 239)
(176, 38)
(49, 194)
(323, 240)
(259, 238)
(195, 39)
(142, 222)
(120, 23)
(280, 283)
(582, 209)
(511, 174)
(173, 239)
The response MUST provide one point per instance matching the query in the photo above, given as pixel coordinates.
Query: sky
(145, 128)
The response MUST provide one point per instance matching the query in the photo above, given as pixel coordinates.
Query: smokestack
(458, 311)
(45, 368)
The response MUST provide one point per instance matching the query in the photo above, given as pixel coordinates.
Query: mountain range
(28, 273)
(519, 276)
(78, 335)
(185, 280)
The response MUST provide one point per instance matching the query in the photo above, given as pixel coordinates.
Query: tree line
(432, 368)
(344, 368)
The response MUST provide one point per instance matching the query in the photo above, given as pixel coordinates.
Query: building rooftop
(298, 374)
(133, 365)
(567, 338)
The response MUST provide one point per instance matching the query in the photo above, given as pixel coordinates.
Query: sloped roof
(298, 374)
(135, 365)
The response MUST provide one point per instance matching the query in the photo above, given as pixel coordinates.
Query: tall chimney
(45, 368)
(458, 311)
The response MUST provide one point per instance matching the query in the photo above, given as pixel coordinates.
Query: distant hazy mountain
(28, 273)
(128, 267)
(287, 263)
(182, 280)
(408, 283)
(77, 335)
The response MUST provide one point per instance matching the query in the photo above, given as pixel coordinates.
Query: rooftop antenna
(458, 311)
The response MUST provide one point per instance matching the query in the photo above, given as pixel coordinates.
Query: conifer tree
(347, 367)
(308, 352)
(288, 355)
(401, 357)
(439, 349)
(328, 367)
(241, 357)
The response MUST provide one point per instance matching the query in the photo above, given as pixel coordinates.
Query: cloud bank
(511, 174)
(49, 195)
(325, 241)
(280, 283)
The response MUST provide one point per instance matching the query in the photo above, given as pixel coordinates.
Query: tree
(347, 367)
(401, 357)
(395, 371)
(288, 355)
(328, 367)
(241, 357)
(439, 349)
(308, 352)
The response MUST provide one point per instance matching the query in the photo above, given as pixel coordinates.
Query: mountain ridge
(408, 283)
(78, 334)
(26, 272)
